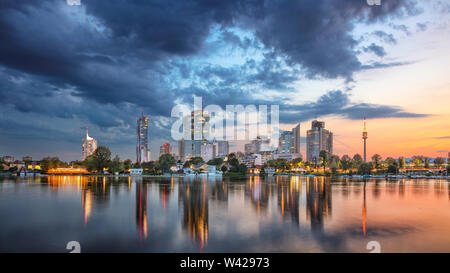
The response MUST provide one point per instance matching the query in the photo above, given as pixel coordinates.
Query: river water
(276, 214)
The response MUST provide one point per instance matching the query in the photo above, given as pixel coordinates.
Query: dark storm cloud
(331, 103)
(376, 65)
(316, 34)
(104, 62)
(338, 103)
(375, 49)
(270, 73)
(402, 28)
(386, 37)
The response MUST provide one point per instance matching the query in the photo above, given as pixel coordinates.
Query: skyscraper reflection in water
(258, 191)
(318, 202)
(289, 198)
(141, 208)
(194, 198)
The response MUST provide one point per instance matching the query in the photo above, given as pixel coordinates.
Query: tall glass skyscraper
(142, 150)
(289, 141)
(318, 139)
(197, 126)
(88, 146)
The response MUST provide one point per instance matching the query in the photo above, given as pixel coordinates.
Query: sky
(100, 64)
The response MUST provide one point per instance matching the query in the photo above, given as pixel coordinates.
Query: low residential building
(18, 164)
(27, 159)
(8, 158)
(251, 161)
(136, 171)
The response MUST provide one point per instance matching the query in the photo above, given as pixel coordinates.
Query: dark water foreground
(281, 214)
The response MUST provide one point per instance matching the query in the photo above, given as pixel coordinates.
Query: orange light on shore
(67, 171)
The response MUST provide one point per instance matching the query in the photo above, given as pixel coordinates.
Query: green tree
(197, 160)
(298, 162)
(242, 168)
(357, 160)
(280, 164)
(149, 165)
(224, 169)
(102, 157)
(323, 155)
(334, 165)
(393, 165)
(187, 164)
(234, 162)
(216, 161)
(116, 166)
(45, 164)
(127, 164)
(52, 163)
(346, 162)
(90, 163)
(365, 168)
(376, 159)
(390, 161)
(165, 161)
(76, 164)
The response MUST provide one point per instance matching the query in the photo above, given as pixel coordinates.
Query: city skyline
(386, 63)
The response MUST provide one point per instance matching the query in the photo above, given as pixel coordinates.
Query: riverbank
(239, 176)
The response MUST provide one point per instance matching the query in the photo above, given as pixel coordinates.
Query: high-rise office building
(257, 146)
(296, 132)
(142, 150)
(318, 139)
(191, 145)
(88, 146)
(223, 148)
(164, 149)
(289, 141)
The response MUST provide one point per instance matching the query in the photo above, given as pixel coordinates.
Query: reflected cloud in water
(282, 214)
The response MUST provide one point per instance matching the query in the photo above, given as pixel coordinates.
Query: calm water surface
(281, 214)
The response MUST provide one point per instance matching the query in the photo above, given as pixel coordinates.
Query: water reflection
(141, 209)
(198, 214)
(193, 197)
(318, 203)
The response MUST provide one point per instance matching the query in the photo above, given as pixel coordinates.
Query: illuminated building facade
(257, 145)
(318, 139)
(289, 141)
(197, 134)
(223, 148)
(142, 150)
(164, 149)
(88, 146)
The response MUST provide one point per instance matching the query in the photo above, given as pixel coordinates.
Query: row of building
(196, 144)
